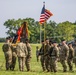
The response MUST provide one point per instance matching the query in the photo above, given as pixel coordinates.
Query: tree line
(65, 30)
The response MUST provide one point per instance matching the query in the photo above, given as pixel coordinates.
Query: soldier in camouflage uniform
(54, 57)
(42, 57)
(64, 52)
(28, 57)
(21, 53)
(74, 47)
(8, 53)
(70, 57)
(14, 56)
(47, 59)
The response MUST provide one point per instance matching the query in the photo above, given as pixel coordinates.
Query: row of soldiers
(22, 50)
(50, 53)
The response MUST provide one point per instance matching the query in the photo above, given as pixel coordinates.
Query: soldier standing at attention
(70, 58)
(14, 54)
(42, 57)
(8, 53)
(64, 53)
(21, 53)
(74, 47)
(54, 57)
(28, 57)
(47, 59)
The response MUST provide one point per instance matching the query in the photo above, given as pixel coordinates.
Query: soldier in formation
(64, 53)
(54, 57)
(14, 53)
(7, 53)
(47, 59)
(29, 55)
(49, 54)
(22, 54)
(70, 57)
(41, 54)
(74, 47)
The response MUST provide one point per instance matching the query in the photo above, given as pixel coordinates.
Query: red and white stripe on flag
(45, 16)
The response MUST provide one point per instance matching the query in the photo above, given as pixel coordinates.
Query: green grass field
(35, 66)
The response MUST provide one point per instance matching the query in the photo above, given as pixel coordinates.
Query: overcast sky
(63, 10)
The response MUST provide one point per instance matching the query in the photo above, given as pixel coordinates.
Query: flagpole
(40, 34)
(44, 31)
(44, 28)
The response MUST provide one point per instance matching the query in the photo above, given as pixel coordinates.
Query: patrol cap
(51, 41)
(62, 40)
(69, 43)
(7, 38)
(54, 42)
(46, 39)
(42, 41)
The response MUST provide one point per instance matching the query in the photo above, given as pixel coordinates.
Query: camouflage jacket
(41, 51)
(14, 51)
(7, 48)
(47, 47)
(21, 50)
(55, 52)
(64, 52)
(71, 52)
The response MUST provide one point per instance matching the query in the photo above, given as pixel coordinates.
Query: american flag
(45, 15)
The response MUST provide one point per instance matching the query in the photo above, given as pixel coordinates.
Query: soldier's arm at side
(29, 51)
(25, 48)
(66, 51)
(72, 52)
(57, 53)
(3, 48)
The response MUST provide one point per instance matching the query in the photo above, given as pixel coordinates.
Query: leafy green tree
(12, 25)
(65, 30)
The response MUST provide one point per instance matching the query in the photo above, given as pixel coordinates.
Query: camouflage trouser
(70, 63)
(42, 59)
(27, 63)
(8, 58)
(21, 61)
(64, 64)
(53, 64)
(47, 63)
(13, 62)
